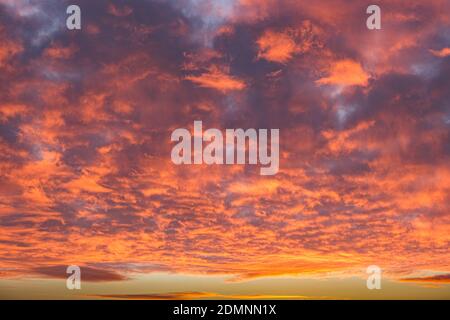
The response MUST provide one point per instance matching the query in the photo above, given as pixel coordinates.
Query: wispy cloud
(439, 278)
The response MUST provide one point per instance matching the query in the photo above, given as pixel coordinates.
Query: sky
(86, 176)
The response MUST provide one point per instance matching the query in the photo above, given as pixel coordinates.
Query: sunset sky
(86, 176)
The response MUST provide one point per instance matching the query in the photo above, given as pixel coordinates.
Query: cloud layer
(86, 117)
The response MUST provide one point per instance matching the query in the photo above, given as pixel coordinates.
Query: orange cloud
(216, 79)
(8, 49)
(445, 52)
(276, 46)
(119, 11)
(12, 110)
(345, 72)
(60, 52)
